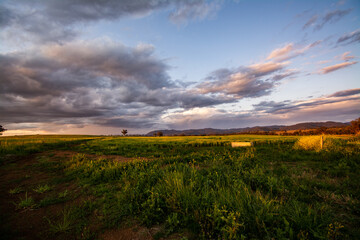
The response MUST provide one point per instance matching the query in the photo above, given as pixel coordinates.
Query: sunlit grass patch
(309, 143)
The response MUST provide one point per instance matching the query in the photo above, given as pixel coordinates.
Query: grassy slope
(184, 187)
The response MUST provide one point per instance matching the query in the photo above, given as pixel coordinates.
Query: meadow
(198, 187)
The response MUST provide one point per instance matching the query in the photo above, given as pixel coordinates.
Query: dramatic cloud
(353, 37)
(335, 67)
(55, 21)
(54, 69)
(106, 83)
(103, 82)
(251, 81)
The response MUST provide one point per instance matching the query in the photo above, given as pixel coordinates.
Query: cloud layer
(48, 21)
(345, 103)
(102, 82)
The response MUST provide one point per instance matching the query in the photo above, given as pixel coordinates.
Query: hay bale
(242, 144)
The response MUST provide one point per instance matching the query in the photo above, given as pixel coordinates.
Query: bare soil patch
(26, 172)
(130, 233)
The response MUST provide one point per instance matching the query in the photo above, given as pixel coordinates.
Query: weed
(26, 203)
(42, 188)
(63, 194)
(63, 225)
(16, 190)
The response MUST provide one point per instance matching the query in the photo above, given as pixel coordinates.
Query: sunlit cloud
(346, 56)
(251, 81)
(290, 106)
(336, 67)
(324, 61)
(281, 52)
(290, 51)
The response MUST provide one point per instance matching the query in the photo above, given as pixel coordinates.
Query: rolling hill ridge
(213, 131)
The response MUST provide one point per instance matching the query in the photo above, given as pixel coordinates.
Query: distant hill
(213, 131)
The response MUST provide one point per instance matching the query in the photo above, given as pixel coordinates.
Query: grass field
(86, 187)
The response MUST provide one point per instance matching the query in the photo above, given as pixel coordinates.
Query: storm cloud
(102, 82)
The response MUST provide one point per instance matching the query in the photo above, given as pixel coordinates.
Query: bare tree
(124, 132)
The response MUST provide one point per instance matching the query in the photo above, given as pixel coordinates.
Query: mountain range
(213, 131)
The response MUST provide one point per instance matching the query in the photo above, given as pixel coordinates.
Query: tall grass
(218, 192)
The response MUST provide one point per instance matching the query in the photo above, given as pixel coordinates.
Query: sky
(100, 66)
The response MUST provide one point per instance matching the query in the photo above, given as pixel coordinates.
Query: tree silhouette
(2, 129)
(159, 134)
(124, 132)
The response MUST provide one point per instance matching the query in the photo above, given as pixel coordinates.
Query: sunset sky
(98, 66)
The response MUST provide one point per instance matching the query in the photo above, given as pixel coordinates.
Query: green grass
(277, 189)
(63, 225)
(26, 202)
(22, 145)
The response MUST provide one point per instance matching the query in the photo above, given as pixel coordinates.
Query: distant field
(99, 187)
